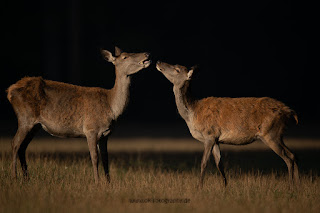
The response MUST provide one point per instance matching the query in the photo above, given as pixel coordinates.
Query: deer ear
(107, 55)
(118, 51)
(190, 74)
(195, 67)
(192, 69)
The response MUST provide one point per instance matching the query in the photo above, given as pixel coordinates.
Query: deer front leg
(205, 158)
(103, 147)
(219, 164)
(92, 143)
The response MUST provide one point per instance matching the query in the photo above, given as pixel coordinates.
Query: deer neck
(183, 100)
(119, 94)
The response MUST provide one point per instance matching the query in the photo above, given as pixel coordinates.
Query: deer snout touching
(160, 65)
(146, 61)
(148, 58)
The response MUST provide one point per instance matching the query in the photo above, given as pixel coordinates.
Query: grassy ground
(158, 175)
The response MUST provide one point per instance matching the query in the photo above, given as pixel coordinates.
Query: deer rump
(240, 120)
(62, 109)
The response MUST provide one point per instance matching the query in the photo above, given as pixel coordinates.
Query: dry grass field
(158, 175)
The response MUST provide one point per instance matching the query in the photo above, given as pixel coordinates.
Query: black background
(243, 48)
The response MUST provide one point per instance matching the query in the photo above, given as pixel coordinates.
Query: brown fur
(236, 121)
(246, 116)
(67, 110)
(65, 106)
(27, 93)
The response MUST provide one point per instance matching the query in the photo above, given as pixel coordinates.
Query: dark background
(243, 48)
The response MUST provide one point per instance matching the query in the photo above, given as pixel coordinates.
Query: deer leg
(205, 158)
(19, 144)
(275, 145)
(21, 134)
(103, 143)
(293, 159)
(23, 148)
(219, 164)
(92, 143)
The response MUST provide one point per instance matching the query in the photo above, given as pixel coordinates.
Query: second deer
(236, 121)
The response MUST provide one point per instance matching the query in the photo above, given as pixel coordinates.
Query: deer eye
(124, 57)
(178, 71)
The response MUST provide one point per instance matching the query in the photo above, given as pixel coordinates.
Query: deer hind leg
(275, 143)
(20, 142)
(103, 142)
(205, 158)
(92, 144)
(219, 164)
(293, 158)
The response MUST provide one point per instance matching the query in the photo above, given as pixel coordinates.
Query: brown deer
(66, 110)
(235, 121)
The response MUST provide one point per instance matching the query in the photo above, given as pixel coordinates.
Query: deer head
(176, 74)
(127, 63)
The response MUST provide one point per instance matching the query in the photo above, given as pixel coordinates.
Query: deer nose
(147, 54)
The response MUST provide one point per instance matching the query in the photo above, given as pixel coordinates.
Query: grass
(156, 175)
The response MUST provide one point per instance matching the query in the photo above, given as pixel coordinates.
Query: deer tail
(289, 113)
(295, 116)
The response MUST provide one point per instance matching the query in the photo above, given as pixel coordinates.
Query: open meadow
(158, 175)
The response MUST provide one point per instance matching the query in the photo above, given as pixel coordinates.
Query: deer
(234, 121)
(66, 110)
